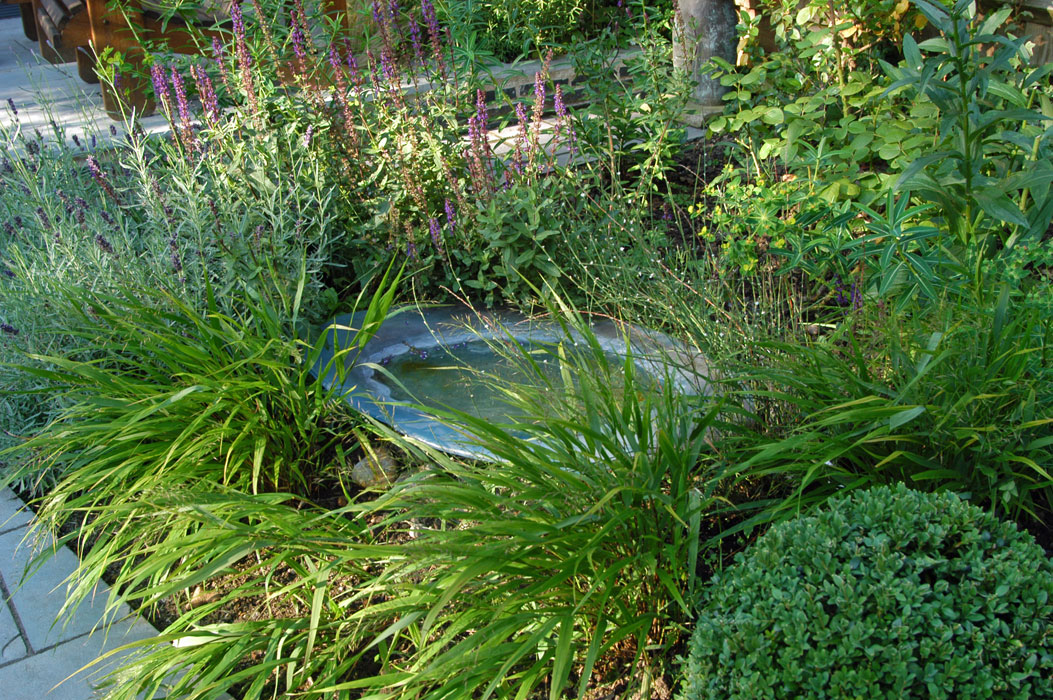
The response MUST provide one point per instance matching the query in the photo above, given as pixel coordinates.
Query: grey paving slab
(45, 93)
(39, 599)
(56, 672)
(13, 513)
(12, 646)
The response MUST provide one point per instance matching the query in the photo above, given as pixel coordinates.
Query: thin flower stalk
(268, 37)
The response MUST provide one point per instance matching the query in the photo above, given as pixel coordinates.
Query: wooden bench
(62, 28)
(79, 30)
(29, 25)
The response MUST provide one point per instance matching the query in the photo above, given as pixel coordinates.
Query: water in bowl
(470, 376)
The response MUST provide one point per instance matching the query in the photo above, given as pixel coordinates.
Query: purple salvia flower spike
(436, 233)
(157, 77)
(451, 217)
(298, 40)
(186, 129)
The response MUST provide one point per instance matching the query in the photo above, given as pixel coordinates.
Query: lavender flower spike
(104, 245)
(100, 178)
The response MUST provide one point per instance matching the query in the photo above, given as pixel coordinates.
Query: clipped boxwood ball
(889, 593)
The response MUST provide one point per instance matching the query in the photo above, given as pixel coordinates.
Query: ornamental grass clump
(888, 593)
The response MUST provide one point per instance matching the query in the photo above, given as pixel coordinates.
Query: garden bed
(875, 311)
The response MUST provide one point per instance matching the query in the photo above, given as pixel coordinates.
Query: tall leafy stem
(992, 148)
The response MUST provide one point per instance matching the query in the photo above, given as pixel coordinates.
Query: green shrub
(888, 593)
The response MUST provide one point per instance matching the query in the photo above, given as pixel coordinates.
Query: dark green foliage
(511, 29)
(960, 398)
(989, 171)
(154, 386)
(887, 594)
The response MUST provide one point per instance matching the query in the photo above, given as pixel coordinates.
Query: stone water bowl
(444, 357)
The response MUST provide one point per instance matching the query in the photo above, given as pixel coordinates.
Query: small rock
(376, 469)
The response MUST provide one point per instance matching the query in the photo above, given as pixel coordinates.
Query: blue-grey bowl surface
(423, 330)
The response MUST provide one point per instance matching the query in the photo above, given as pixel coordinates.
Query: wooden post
(109, 27)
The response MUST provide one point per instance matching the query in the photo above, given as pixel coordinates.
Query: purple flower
(450, 215)
(418, 50)
(185, 127)
(436, 234)
(100, 178)
(539, 90)
(335, 62)
(45, 222)
(307, 136)
(387, 64)
(411, 250)
(563, 118)
(9, 329)
(65, 200)
(10, 230)
(371, 62)
(206, 93)
(522, 116)
(218, 53)
(104, 245)
(237, 23)
(76, 141)
(297, 38)
(113, 130)
(557, 101)
(105, 215)
(244, 57)
(352, 69)
(434, 34)
(480, 111)
(11, 105)
(157, 77)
